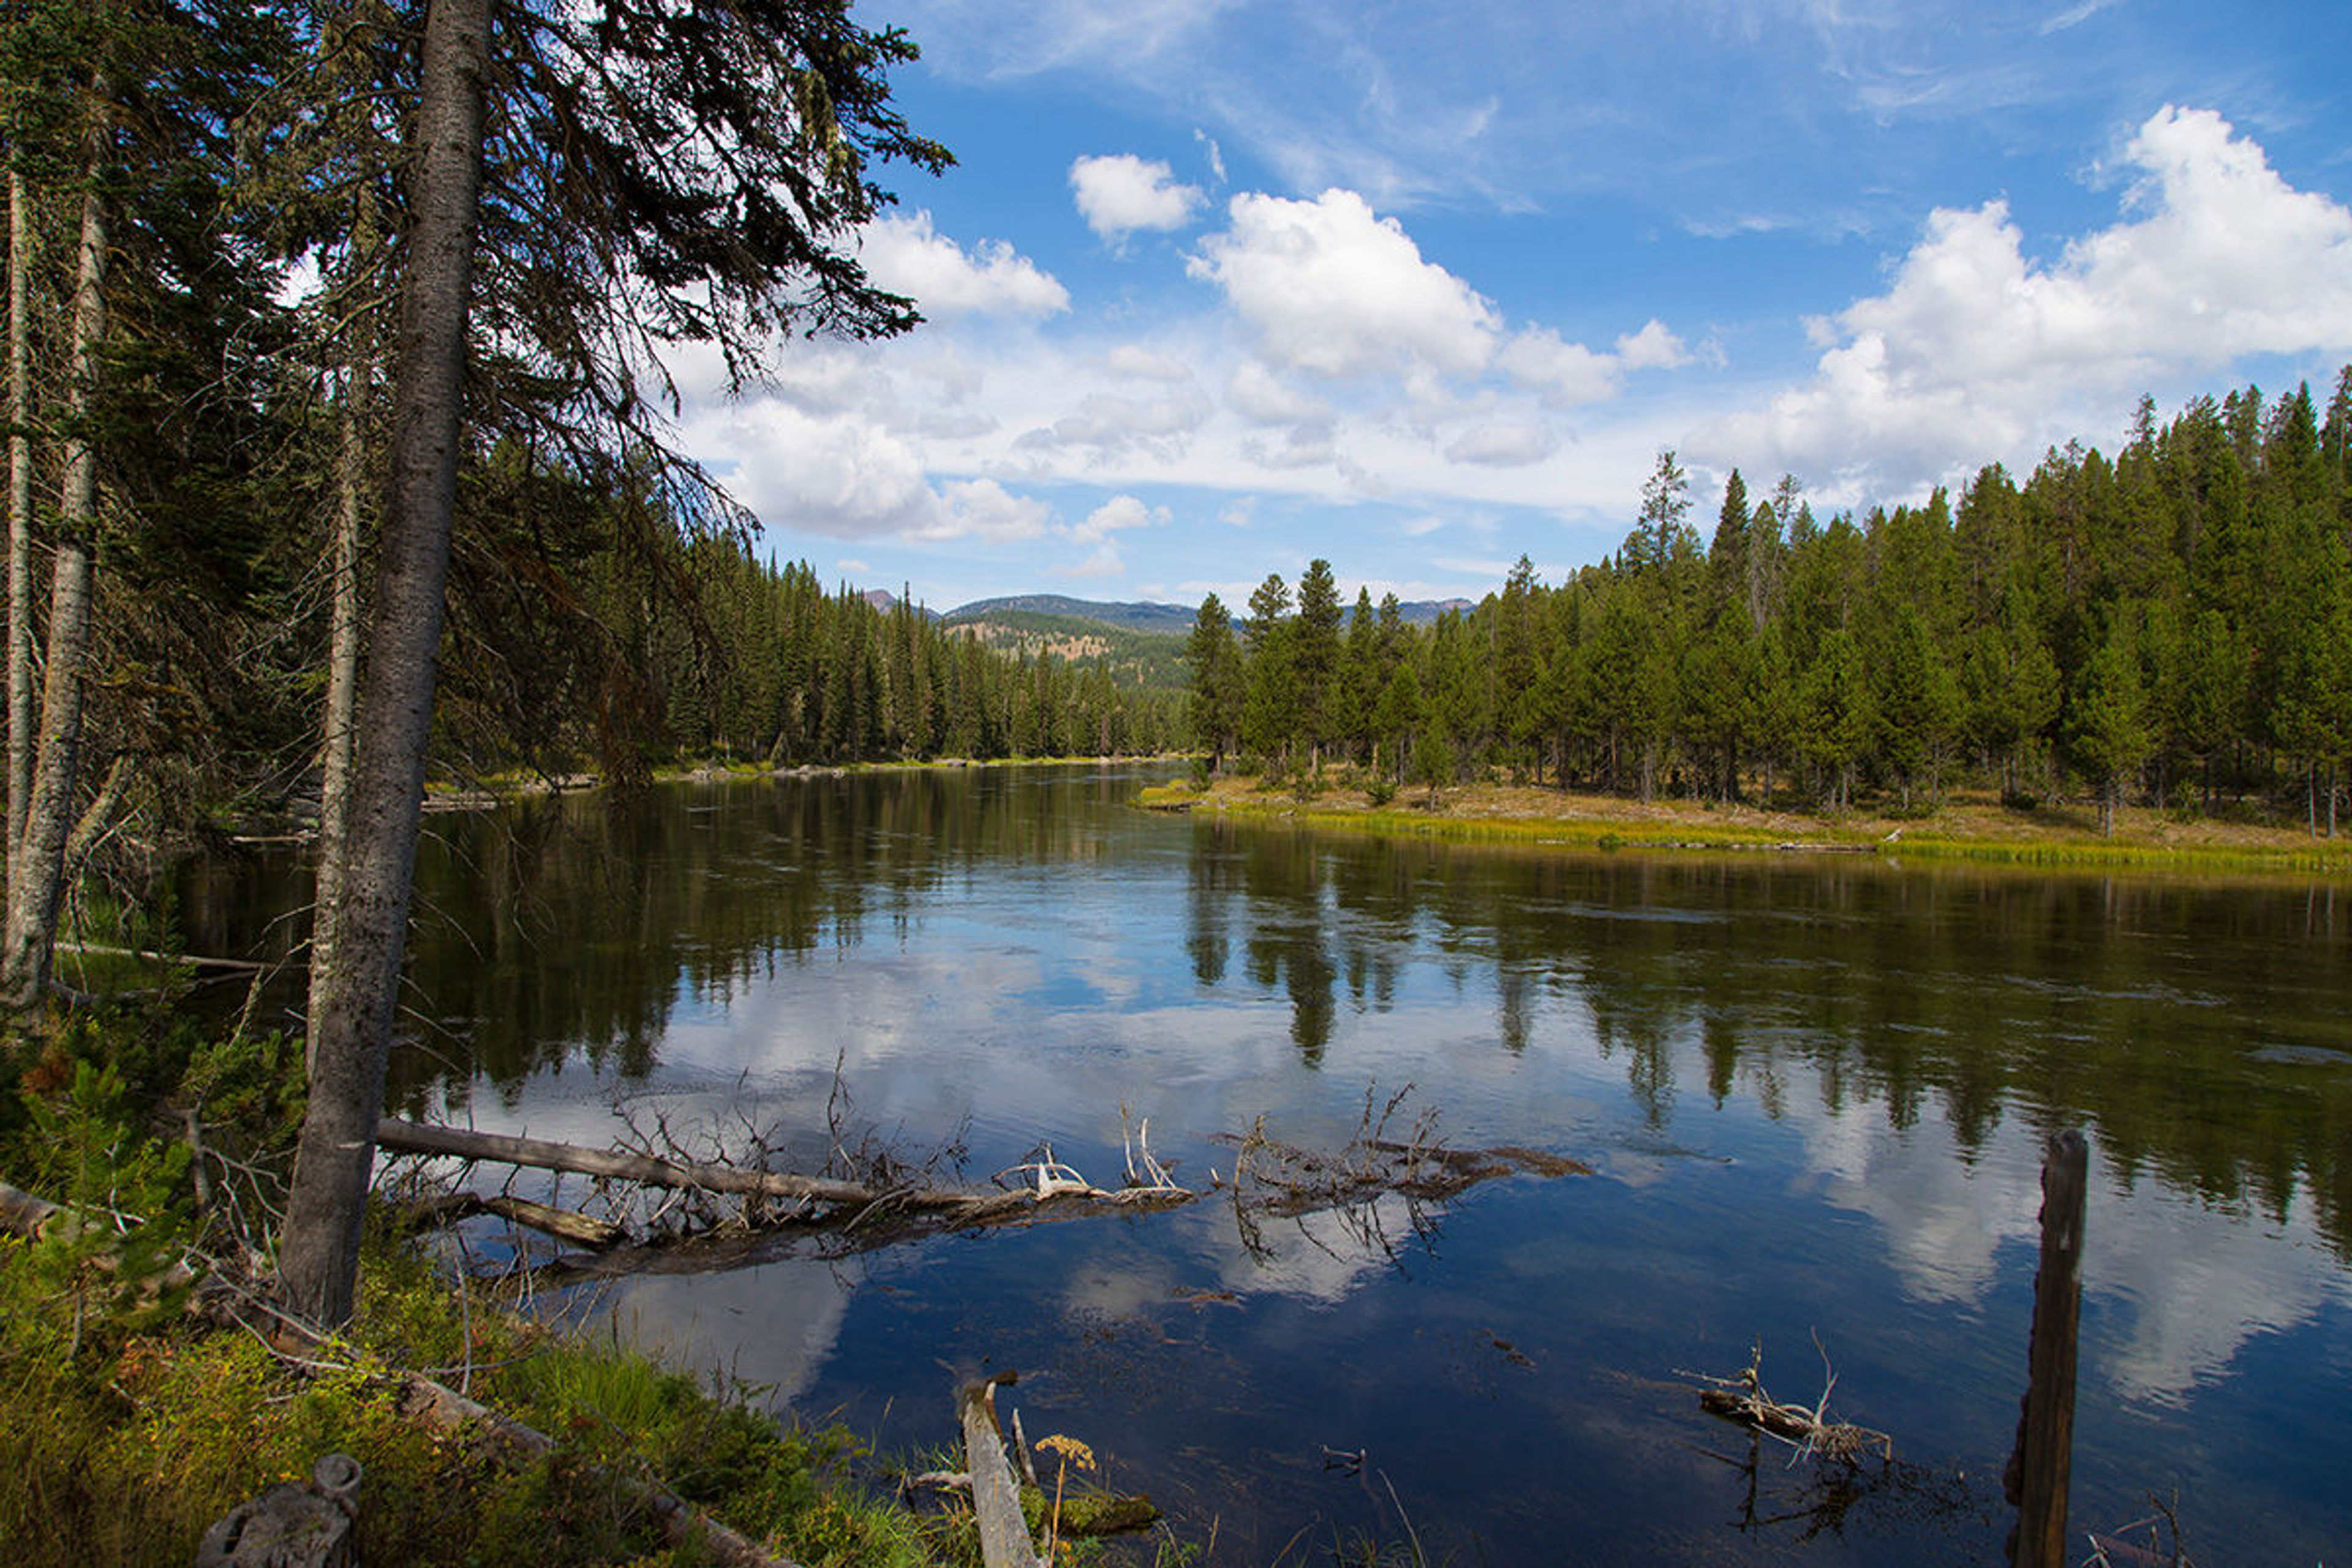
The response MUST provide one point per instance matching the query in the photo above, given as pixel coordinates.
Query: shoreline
(1964, 829)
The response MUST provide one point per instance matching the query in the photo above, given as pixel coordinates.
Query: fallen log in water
(568, 1224)
(406, 1137)
(1271, 1180)
(844, 1203)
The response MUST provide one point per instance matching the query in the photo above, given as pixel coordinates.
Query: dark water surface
(1815, 1093)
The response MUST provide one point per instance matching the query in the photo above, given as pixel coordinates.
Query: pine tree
(1270, 702)
(1217, 691)
(1315, 659)
(2106, 725)
(1661, 531)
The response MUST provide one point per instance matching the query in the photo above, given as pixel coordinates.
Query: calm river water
(1814, 1092)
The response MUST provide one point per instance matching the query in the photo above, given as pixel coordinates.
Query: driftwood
(240, 965)
(960, 1205)
(1270, 1179)
(420, 1138)
(680, 1520)
(1004, 1540)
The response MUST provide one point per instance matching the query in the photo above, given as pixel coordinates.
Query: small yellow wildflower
(1072, 1451)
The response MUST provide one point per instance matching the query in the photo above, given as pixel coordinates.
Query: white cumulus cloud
(1257, 393)
(1108, 423)
(1652, 348)
(1334, 289)
(904, 254)
(985, 509)
(1975, 350)
(1120, 194)
(1141, 363)
(846, 476)
(1119, 513)
(1569, 374)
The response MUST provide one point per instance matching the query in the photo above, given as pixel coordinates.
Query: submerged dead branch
(2168, 1549)
(582, 1229)
(1806, 1428)
(1276, 1180)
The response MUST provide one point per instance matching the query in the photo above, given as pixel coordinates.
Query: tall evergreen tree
(1217, 687)
(1661, 531)
(1315, 658)
(2107, 724)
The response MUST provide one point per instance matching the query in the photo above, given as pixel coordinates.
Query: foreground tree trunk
(36, 858)
(359, 350)
(20, 503)
(353, 994)
(343, 673)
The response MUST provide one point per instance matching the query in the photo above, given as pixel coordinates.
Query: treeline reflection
(2199, 1031)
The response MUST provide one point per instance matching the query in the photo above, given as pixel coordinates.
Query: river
(1814, 1092)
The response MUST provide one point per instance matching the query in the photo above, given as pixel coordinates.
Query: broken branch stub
(1004, 1540)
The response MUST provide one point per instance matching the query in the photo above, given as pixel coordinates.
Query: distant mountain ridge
(1133, 617)
(1145, 617)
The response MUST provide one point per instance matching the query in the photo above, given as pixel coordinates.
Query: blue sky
(1218, 287)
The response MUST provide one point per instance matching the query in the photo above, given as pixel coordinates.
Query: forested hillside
(778, 668)
(2174, 624)
(1166, 620)
(1144, 660)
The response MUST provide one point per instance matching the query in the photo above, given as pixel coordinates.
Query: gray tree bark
(342, 676)
(352, 995)
(360, 349)
(36, 859)
(20, 505)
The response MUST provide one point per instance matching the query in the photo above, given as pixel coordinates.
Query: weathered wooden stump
(294, 1524)
(2037, 1476)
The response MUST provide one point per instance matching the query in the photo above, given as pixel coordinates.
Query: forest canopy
(2175, 623)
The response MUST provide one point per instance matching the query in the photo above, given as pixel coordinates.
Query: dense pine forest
(2173, 624)
(788, 673)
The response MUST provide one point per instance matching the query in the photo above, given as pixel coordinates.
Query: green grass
(2052, 846)
(122, 1447)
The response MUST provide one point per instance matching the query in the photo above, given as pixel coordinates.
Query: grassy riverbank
(123, 1446)
(138, 1416)
(1962, 829)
